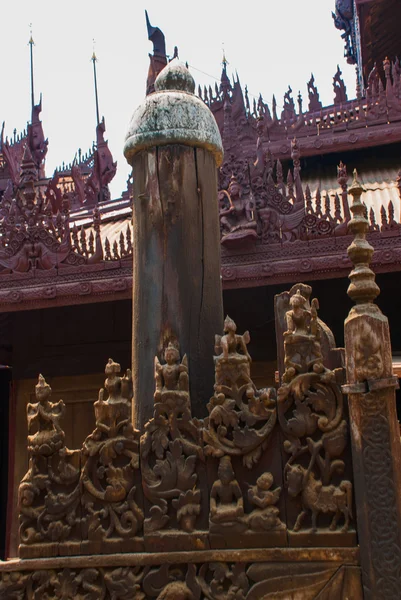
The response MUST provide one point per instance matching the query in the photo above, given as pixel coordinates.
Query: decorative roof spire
(158, 59)
(225, 83)
(156, 36)
(363, 289)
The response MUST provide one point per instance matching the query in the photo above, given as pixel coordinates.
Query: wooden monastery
(242, 455)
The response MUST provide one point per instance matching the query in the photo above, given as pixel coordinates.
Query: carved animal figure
(318, 498)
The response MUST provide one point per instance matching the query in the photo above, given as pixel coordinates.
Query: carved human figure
(230, 344)
(298, 318)
(266, 515)
(302, 338)
(172, 376)
(226, 501)
(118, 388)
(44, 419)
(238, 219)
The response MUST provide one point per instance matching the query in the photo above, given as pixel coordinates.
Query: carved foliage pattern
(49, 492)
(311, 416)
(208, 581)
(170, 449)
(114, 468)
(110, 461)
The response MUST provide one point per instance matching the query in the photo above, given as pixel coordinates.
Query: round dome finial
(173, 114)
(175, 77)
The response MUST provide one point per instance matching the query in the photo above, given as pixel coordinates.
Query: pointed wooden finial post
(174, 146)
(375, 434)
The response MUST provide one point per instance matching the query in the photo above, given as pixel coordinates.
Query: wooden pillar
(375, 432)
(174, 147)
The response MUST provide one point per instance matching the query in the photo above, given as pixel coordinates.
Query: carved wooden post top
(363, 289)
(173, 115)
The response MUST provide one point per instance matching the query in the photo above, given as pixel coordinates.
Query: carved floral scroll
(312, 417)
(110, 478)
(49, 492)
(171, 449)
(241, 418)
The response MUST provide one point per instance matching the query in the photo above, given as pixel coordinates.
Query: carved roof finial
(363, 289)
(156, 36)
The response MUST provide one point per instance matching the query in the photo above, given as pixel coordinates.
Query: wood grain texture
(177, 285)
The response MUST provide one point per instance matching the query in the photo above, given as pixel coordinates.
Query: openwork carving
(311, 415)
(110, 471)
(170, 449)
(49, 492)
(241, 417)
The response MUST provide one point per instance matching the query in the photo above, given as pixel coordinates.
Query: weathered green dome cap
(173, 115)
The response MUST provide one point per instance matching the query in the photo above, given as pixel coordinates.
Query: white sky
(270, 45)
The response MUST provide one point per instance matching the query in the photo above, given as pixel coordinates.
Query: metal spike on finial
(31, 44)
(363, 289)
(224, 62)
(94, 60)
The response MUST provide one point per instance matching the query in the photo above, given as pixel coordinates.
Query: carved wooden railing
(262, 470)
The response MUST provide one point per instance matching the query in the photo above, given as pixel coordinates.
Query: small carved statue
(230, 344)
(44, 418)
(298, 318)
(226, 501)
(302, 338)
(266, 516)
(173, 376)
(238, 219)
(118, 388)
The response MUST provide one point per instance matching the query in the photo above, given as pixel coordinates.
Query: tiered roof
(283, 194)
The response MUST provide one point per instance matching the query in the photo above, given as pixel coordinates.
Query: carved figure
(32, 237)
(44, 419)
(343, 20)
(110, 459)
(241, 417)
(311, 413)
(301, 340)
(173, 375)
(233, 346)
(318, 498)
(266, 516)
(238, 220)
(49, 492)
(226, 501)
(170, 448)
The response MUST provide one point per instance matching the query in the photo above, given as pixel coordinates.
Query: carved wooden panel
(186, 581)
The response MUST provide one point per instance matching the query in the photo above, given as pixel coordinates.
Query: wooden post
(174, 146)
(375, 432)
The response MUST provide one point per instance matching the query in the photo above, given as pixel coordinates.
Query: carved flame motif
(241, 417)
(111, 458)
(170, 448)
(311, 415)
